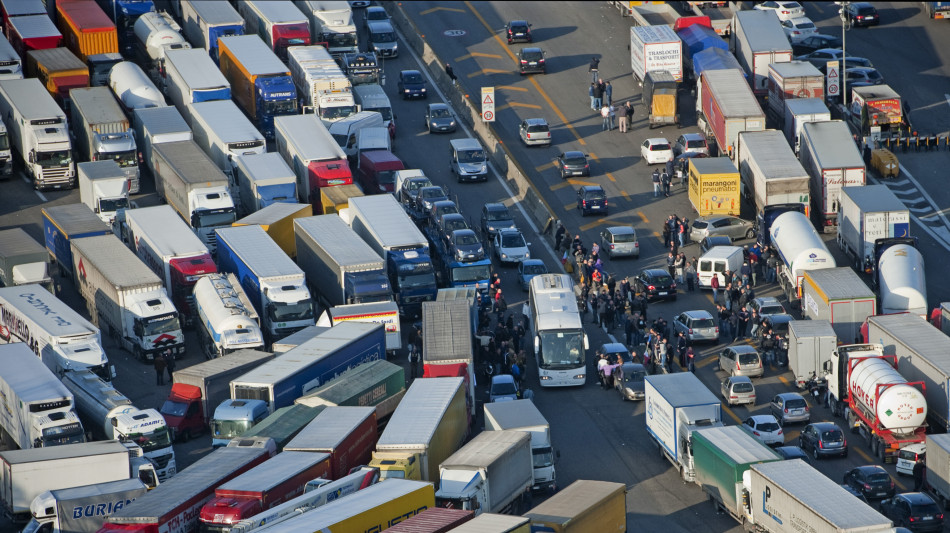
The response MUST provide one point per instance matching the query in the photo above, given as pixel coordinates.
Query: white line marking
(38, 193)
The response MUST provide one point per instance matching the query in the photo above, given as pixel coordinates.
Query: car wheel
(750, 234)
(814, 453)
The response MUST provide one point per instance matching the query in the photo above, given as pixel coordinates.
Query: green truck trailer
(283, 424)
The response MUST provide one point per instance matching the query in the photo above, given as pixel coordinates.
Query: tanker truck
(900, 279)
(884, 408)
(800, 249)
(156, 32)
(134, 88)
(228, 319)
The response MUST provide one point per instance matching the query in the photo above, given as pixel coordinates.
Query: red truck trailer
(33, 32)
(86, 28)
(348, 434)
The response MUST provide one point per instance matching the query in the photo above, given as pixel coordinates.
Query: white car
(797, 29)
(510, 246)
(656, 151)
(784, 10)
(766, 429)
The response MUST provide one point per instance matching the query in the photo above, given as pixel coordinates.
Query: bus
(560, 344)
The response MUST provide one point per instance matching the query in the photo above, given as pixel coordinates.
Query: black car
(656, 284)
(791, 452)
(411, 84)
(823, 439)
(572, 163)
(914, 510)
(861, 14)
(518, 31)
(531, 61)
(871, 480)
(815, 42)
(495, 217)
(854, 492)
(591, 199)
(708, 243)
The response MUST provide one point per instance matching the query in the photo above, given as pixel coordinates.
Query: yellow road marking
(792, 435)
(625, 195)
(486, 71)
(656, 233)
(643, 217)
(434, 9)
(519, 104)
(511, 88)
(707, 361)
(571, 206)
(568, 182)
(592, 225)
(476, 54)
(865, 456)
(593, 156)
(732, 415)
(783, 380)
(545, 166)
(611, 177)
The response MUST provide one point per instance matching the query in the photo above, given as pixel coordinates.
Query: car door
(724, 360)
(645, 150)
(681, 323)
(775, 407)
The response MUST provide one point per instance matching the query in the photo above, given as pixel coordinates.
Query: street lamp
(842, 8)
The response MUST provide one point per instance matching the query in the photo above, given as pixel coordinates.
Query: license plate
(881, 493)
(577, 173)
(662, 293)
(928, 517)
(595, 207)
(533, 63)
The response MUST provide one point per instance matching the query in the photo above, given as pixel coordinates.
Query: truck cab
(210, 208)
(146, 428)
(100, 65)
(377, 171)
(234, 417)
(104, 187)
(393, 465)
(183, 411)
(155, 325)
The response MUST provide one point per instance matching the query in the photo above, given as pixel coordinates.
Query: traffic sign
(488, 104)
(834, 79)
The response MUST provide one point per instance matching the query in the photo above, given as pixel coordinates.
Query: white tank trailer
(156, 32)
(228, 319)
(134, 88)
(800, 249)
(901, 280)
(901, 408)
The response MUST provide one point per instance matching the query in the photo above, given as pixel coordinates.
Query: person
(680, 267)
(451, 74)
(681, 349)
(590, 92)
(671, 264)
(682, 228)
(665, 179)
(559, 235)
(626, 116)
(605, 114)
(598, 95)
(414, 357)
(656, 183)
(613, 114)
(714, 283)
(500, 305)
(690, 275)
(601, 368)
(594, 69)
(690, 359)
(160, 364)
(516, 373)
(170, 367)
(919, 469)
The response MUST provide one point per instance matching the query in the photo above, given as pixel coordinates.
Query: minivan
(716, 262)
(369, 139)
(377, 171)
(382, 38)
(346, 131)
(469, 161)
(741, 360)
(372, 97)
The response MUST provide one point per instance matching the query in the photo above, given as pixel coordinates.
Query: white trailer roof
(806, 106)
(65, 451)
(309, 137)
(16, 241)
(254, 246)
(419, 412)
(874, 198)
(7, 53)
(278, 12)
(226, 120)
(486, 448)
(918, 335)
(264, 168)
(763, 30)
(37, 304)
(117, 264)
(387, 220)
(682, 390)
(216, 13)
(21, 8)
(329, 429)
(256, 57)
(337, 240)
(833, 145)
(811, 328)
(516, 414)
(160, 121)
(99, 170)
(168, 234)
(738, 445)
(34, 26)
(275, 471)
(32, 99)
(196, 67)
(97, 105)
(55, 59)
(772, 154)
(795, 69)
(732, 92)
(75, 219)
(28, 377)
(872, 92)
(221, 365)
(491, 523)
(840, 283)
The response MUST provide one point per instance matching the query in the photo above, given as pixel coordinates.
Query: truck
(448, 344)
(207, 22)
(712, 58)
(660, 98)
(103, 131)
(33, 32)
(277, 220)
(191, 77)
(23, 261)
(270, 483)
(492, 473)
(800, 111)
(651, 14)
(59, 336)
(523, 415)
(233, 417)
(938, 10)
(197, 389)
(363, 68)
(86, 29)
(346, 434)
(698, 38)
(125, 13)
(39, 132)
(225, 133)
(584, 505)
(868, 213)
(770, 172)
(280, 24)
(63, 224)
(156, 33)
(378, 384)
(810, 343)
(10, 10)
(496, 523)
(678, 405)
(295, 373)
(372, 97)
(100, 67)
(728, 107)
(123, 294)
(430, 423)
(385, 313)
(937, 463)
(275, 285)
(331, 23)
(176, 504)
(900, 279)
(335, 199)
(714, 186)
(134, 88)
(385, 226)
(759, 41)
(192, 184)
(800, 249)
(40, 410)
(719, 14)
(784, 496)
(104, 188)
(790, 80)
(876, 105)
(833, 161)
(281, 426)
(434, 520)
(82, 509)
(321, 85)
(59, 70)
(722, 456)
(313, 154)
(158, 125)
(839, 296)
(228, 320)
(296, 339)
(655, 48)
(262, 180)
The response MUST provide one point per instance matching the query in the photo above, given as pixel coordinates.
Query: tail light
(717, 330)
(786, 410)
(780, 431)
(612, 246)
(733, 397)
(785, 12)
(737, 366)
(651, 288)
(690, 331)
(672, 285)
(605, 202)
(756, 433)
(860, 17)
(541, 60)
(821, 444)
(523, 62)
(584, 203)
(940, 516)
(806, 409)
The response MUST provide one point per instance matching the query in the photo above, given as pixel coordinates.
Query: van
(741, 360)
(345, 132)
(372, 97)
(469, 161)
(716, 262)
(377, 171)
(382, 38)
(370, 139)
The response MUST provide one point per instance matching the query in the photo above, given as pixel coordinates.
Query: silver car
(733, 227)
(690, 142)
(789, 407)
(535, 131)
(510, 246)
(737, 389)
(696, 326)
(620, 241)
(766, 305)
(741, 360)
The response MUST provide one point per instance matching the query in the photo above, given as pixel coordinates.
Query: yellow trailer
(714, 186)
(278, 222)
(582, 507)
(335, 198)
(494, 523)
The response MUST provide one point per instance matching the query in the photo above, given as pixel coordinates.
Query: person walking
(714, 283)
(919, 469)
(665, 179)
(451, 74)
(559, 235)
(690, 359)
(160, 364)
(626, 116)
(605, 114)
(594, 69)
(609, 93)
(656, 183)
(613, 116)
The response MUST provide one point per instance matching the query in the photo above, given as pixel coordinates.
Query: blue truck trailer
(63, 223)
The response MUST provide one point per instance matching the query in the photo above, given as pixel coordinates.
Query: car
(439, 208)
(823, 439)
(852, 491)
(797, 29)
(518, 31)
(631, 381)
(788, 407)
(708, 243)
(374, 13)
(411, 84)
(916, 511)
(655, 284)
(741, 360)
(450, 222)
(872, 481)
(409, 190)
(820, 58)
(535, 132)
(572, 163)
(528, 269)
(620, 241)
(737, 389)
(728, 226)
(503, 388)
(696, 326)
(510, 246)
(766, 305)
(465, 246)
(777, 322)
(430, 195)
(815, 42)
(784, 10)
(861, 14)
(791, 452)
(908, 456)
(358, 3)
(690, 143)
(765, 429)
(592, 199)
(531, 61)
(495, 216)
(656, 151)
(439, 118)
(864, 76)
(613, 350)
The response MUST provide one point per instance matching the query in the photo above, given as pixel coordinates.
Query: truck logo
(650, 409)
(81, 268)
(163, 340)
(766, 494)
(100, 509)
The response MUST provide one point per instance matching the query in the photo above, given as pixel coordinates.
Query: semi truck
(649, 14)
(790, 80)
(331, 23)
(124, 295)
(198, 389)
(385, 313)
(281, 381)
(59, 336)
(654, 48)
(104, 188)
(584, 505)
(448, 344)
(839, 296)
(937, 463)
(23, 261)
(378, 384)
(38, 131)
(728, 107)
(191, 77)
(108, 414)
(759, 42)
(32, 32)
(262, 180)
(901, 280)
(383, 224)
(281, 426)
(82, 509)
(832, 160)
(523, 415)
(313, 154)
(40, 410)
(176, 504)
(876, 105)
(799, 248)
(868, 213)
(156, 33)
(712, 59)
(275, 285)
(346, 434)
(158, 125)
(321, 85)
(810, 343)
(678, 405)
(233, 417)
(205, 23)
(134, 88)
(372, 97)
(800, 111)
(125, 13)
(103, 131)
(228, 321)
(771, 174)
(100, 66)
(86, 29)
(280, 24)
(225, 133)
(63, 224)
(428, 426)
(277, 220)
(296, 339)
(59, 71)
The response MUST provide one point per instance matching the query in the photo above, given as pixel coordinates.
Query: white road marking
(38, 193)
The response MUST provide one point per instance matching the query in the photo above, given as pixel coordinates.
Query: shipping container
(760, 41)
(582, 507)
(86, 29)
(839, 296)
(770, 172)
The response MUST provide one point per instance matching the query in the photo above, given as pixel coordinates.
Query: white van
(372, 97)
(370, 139)
(716, 262)
(346, 131)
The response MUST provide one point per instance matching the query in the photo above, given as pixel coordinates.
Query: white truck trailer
(655, 48)
(82, 509)
(104, 187)
(840, 296)
(134, 88)
(799, 248)
(832, 160)
(156, 32)
(313, 154)
(321, 85)
(225, 133)
(760, 41)
(771, 174)
(810, 344)
(801, 111)
(104, 132)
(228, 321)
(205, 22)
(23, 261)
(331, 22)
(901, 280)
(262, 180)
(158, 125)
(523, 415)
(39, 132)
(868, 213)
(191, 76)
(938, 467)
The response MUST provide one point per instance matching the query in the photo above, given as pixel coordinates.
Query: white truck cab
(104, 187)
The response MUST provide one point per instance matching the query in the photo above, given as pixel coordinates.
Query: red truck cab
(184, 273)
(183, 411)
(286, 35)
(327, 174)
(377, 171)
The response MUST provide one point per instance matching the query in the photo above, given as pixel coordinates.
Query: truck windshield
(543, 457)
(124, 159)
(373, 297)
(111, 205)
(226, 429)
(57, 158)
(337, 113)
(416, 275)
(468, 274)
(170, 408)
(65, 434)
(160, 324)
(152, 440)
(4, 141)
(276, 108)
(285, 312)
(33, 526)
(561, 350)
(340, 40)
(224, 218)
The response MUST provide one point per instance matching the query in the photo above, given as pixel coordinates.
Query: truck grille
(211, 241)
(56, 178)
(161, 464)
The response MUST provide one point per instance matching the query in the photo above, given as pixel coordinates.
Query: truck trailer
(810, 345)
(832, 160)
(790, 80)
(262, 180)
(839, 296)
(277, 220)
(63, 224)
(82, 509)
(728, 107)
(378, 384)
(901, 280)
(800, 111)
(59, 70)
(448, 344)
(158, 125)
(313, 154)
(156, 33)
(584, 505)
(759, 42)
(23, 261)
(227, 320)
(771, 174)
(206, 22)
(869, 213)
(33, 32)
(134, 88)
(523, 415)
(321, 85)
(385, 313)
(225, 133)
(714, 186)
(654, 48)
(331, 22)
(799, 248)
(86, 29)
(192, 77)
(281, 426)
(346, 434)
(104, 132)
(280, 24)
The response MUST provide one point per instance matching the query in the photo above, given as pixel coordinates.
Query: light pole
(842, 7)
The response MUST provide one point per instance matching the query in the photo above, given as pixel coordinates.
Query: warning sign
(834, 79)
(488, 104)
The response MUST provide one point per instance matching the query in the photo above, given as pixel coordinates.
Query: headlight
(375, 48)
(480, 250)
(527, 255)
(435, 124)
(423, 89)
(407, 90)
(504, 255)
(452, 123)
(580, 376)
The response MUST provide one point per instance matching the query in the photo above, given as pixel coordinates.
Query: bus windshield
(561, 350)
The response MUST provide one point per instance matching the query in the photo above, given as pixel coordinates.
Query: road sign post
(833, 87)
(488, 104)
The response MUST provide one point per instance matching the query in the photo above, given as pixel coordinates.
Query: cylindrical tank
(798, 244)
(133, 87)
(157, 32)
(900, 408)
(97, 402)
(902, 282)
(226, 314)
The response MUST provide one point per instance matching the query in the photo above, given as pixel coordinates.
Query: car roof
(627, 367)
(509, 230)
(789, 395)
(442, 203)
(496, 206)
(503, 378)
(655, 272)
(527, 262)
(694, 136)
(917, 497)
(792, 451)
(799, 20)
(861, 4)
(466, 231)
(825, 426)
(574, 153)
(588, 188)
(438, 105)
(763, 300)
(613, 347)
(452, 216)
(743, 348)
(698, 313)
(535, 121)
(379, 25)
(763, 418)
(621, 230)
(518, 22)
(657, 140)
(531, 49)
(871, 468)
(780, 318)
(738, 379)
(409, 72)
(859, 69)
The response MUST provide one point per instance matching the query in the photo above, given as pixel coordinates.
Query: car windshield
(700, 224)
(170, 408)
(926, 509)
(595, 195)
(659, 147)
(624, 237)
(455, 224)
(466, 238)
(742, 387)
(340, 40)
(662, 279)
(503, 388)
(217, 218)
(866, 10)
(519, 28)
(535, 269)
(436, 192)
(512, 241)
(413, 185)
(806, 25)
(873, 75)
(226, 429)
(440, 113)
(748, 358)
(471, 156)
(703, 323)
(795, 403)
(575, 161)
(495, 215)
(636, 375)
(383, 37)
(412, 78)
(447, 210)
(530, 55)
(698, 143)
(386, 177)
(831, 435)
(376, 14)
(771, 309)
(767, 426)
(276, 108)
(881, 477)
(561, 350)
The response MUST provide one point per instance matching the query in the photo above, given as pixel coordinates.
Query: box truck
(63, 224)
(810, 344)
(38, 131)
(225, 133)
(207, 22)
(262, 180)
(869, 213)
(522, 415)
(385, 313)
(59, 71)
(321, 85)
(331, 22)
(346, 434)
(378, 384)
(104, 188)
(714, 186)
(86, 29)
(190, 77)
(938, 466)
(103, 131)
(82, 509)
(839, 296)
(790, 80)
(584, 505)
(448, 344)
(279, 24)
(770, 172)
(832, 160)
(23, 261)
(313, 154)
(158, 125)
(155, 34)
(760, 41)
(134, 88)
(228, 320)
(800, 111)
(277, 220)
(728, 107)
(655, 48)
(33, 32)
(800, 249)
